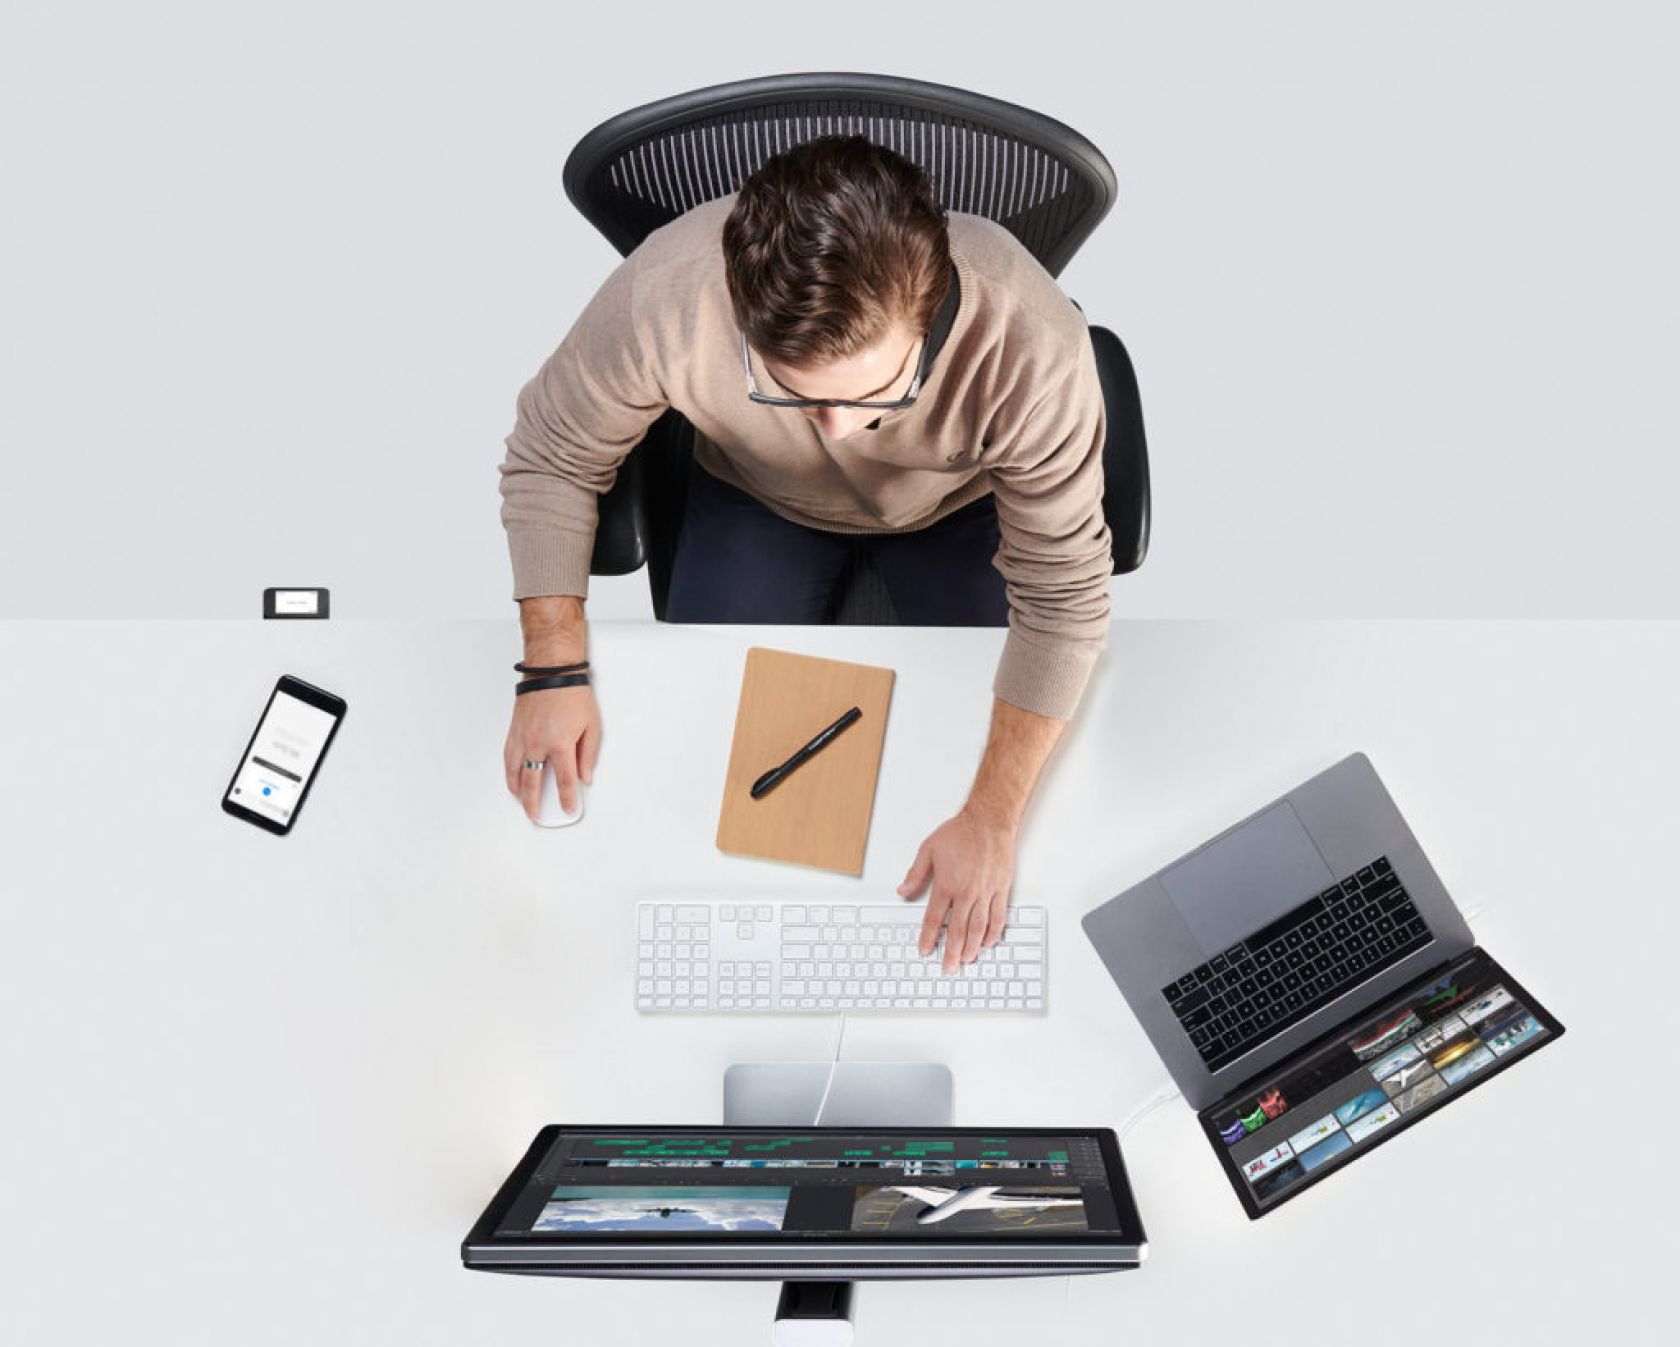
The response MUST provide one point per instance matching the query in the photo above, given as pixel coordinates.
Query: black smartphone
(273, 777)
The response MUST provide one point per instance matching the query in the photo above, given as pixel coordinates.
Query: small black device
(297, 602)
(275, 772)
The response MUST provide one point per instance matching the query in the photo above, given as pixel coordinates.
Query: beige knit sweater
(1011, 406)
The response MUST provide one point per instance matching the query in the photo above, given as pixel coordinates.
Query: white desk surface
(259, 1088)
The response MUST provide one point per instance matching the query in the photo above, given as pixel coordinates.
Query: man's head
(837, 259)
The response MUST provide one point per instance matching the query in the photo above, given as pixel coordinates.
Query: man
(854, 363)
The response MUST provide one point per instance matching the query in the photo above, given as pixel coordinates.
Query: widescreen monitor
(820, 1203)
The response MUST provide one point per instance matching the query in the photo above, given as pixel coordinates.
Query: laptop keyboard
(1305, 959)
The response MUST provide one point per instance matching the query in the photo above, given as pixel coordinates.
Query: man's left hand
(971, 862)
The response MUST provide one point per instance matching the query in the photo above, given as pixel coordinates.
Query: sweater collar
(944, 320)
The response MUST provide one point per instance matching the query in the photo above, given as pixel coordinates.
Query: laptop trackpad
(1243, 881)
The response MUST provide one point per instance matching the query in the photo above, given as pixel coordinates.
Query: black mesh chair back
(1039, 179)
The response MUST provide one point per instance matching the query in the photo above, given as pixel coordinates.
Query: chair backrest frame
(1037, 177)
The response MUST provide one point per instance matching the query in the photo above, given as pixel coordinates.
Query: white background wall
(1398, 280)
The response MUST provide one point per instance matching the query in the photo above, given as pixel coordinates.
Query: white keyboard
(824, 958)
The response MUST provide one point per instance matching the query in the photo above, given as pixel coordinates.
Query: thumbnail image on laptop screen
(1419, 1051)
(824, 1184)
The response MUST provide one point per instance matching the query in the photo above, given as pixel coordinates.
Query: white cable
(839, 1040)
(1145, 1109)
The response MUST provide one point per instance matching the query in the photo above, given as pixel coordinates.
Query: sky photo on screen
(674, 1208)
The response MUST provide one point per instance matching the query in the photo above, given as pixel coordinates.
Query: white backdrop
(1398, 280)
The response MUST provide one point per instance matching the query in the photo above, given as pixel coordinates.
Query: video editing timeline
(1403, 1062)
(860, 1184)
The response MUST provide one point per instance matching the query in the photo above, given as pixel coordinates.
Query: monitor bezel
(809, 1256)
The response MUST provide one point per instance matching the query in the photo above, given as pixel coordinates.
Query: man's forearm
(554, 628)
(1016, 750)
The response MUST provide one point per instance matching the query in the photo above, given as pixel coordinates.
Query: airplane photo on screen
(912, 1208)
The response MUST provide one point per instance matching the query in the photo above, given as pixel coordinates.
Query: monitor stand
(864, 1094)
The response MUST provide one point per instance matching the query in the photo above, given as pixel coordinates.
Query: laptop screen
(1374, 1077)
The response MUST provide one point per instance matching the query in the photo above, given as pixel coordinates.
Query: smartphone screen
(273, 777)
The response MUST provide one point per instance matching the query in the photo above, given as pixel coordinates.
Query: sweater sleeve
(1054, 552)
(587, 407)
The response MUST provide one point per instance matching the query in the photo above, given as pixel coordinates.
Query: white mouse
(550, 812)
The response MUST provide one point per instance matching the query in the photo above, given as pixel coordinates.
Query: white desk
(261, 1087)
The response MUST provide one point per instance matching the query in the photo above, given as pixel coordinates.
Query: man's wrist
(1016, 748)
(994, 815)
(554, 629)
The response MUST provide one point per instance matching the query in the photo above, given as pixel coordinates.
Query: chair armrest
(621, 523)
(639, 517)
(1125, 453)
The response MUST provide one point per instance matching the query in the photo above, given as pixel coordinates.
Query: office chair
(1039, 179)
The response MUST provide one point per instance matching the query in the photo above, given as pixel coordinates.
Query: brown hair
(828, 244)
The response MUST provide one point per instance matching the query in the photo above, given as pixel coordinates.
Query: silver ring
(532, 766)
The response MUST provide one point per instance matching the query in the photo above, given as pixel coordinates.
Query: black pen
(773, 778)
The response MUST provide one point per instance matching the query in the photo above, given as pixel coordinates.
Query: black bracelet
(525, 668)
(572, 680)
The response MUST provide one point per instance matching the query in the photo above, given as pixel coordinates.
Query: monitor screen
(973, 1200)
(1378, 1074)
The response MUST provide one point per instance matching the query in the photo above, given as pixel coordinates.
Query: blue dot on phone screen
(268, 790)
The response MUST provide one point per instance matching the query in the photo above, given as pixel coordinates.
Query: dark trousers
(737, 561)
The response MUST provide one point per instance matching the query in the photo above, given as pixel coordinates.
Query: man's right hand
(560, 725)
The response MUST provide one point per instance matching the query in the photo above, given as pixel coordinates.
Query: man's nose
(834, 422)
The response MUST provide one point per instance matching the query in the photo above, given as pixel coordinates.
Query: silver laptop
(1279, 967)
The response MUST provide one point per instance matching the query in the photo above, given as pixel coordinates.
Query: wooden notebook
(819, 814)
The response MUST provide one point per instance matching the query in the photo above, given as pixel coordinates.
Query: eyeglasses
(764, 399)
